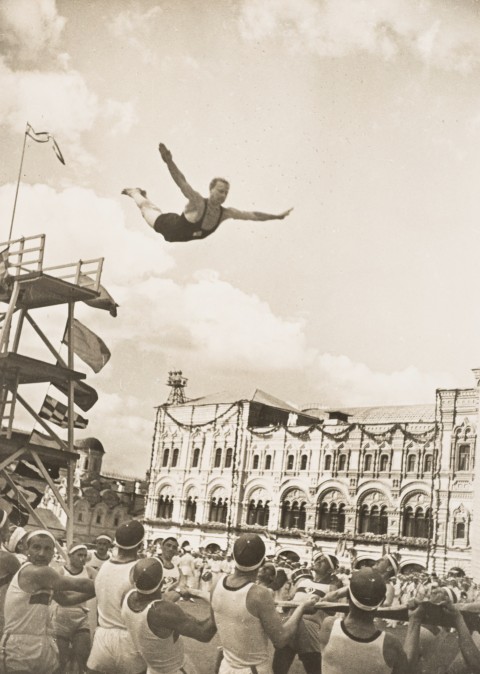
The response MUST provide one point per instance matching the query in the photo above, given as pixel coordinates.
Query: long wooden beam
(434, 614)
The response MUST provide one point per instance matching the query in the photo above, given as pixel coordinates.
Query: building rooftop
(379, 415)
(252, 395)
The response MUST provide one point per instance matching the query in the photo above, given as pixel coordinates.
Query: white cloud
(443, 36)
(137, 29)
(342, 381)
(126, 421)
(43, 88)
(81, 225)
(29, 29)
(121, 116)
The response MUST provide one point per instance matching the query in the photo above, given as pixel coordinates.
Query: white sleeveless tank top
(345, 654)
(111, 585)
(161, 655)
(27, 613)
(241, 634)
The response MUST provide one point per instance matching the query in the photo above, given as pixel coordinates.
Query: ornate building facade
(360, 479)
(102, 501)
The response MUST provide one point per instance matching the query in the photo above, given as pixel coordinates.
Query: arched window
(166, 454)
(99, 518)
(408, 522)
(367, 463)
(411, 462)
(191, 509)
(116, 520)
(175, 457)
(373, 517)
(218, 458)
(268, 462)
(417, 521)
(342, 462)
(328, 462)
(364, 519)
(255, 462)
(196, 457)
(293, 511)
(165, 507)
(228, 457)
(428, 463)
(463, 457)
(290, 461)
(331, 514)
(460, 530)
(384, 463)
(303, 462)
(218, 508)
(258, 512)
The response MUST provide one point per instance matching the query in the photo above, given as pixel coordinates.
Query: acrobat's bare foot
(130, 191)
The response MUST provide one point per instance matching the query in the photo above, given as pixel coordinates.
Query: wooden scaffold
(26, 285)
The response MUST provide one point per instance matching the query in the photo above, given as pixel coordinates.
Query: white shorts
(188, 668)
(29, 653)
(262, 668)
(113, 652)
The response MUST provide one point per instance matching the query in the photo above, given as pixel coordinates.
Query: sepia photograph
(239, 336)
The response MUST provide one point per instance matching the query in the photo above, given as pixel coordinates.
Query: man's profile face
(219, 192)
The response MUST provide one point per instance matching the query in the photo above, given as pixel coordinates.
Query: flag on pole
(103, 301)
(83, 395)
(88, 346)
(45, 137)
(56, 412)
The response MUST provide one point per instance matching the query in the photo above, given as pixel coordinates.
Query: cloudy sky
(364, 115)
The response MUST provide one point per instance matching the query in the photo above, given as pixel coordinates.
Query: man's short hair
(169, 538)
(214, 181)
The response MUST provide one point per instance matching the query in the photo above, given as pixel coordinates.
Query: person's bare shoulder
(394, 655)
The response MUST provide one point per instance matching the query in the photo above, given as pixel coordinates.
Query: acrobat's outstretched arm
(177, 175)
(258, 216)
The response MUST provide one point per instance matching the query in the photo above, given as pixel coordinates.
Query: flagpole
(18, 182)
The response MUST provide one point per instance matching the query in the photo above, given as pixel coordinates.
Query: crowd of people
(116, 609)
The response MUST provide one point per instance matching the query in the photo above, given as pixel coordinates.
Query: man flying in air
(201, 216)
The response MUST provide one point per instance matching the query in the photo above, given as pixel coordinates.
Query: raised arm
(177, 175)
(260, 604)
(164, 617)
(469, 650)
(38, 578)
(257, 216)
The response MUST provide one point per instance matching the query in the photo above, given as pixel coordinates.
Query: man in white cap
(245, 612)
(103, 543)
(305, 642)
(157, 626)
(113, 651)
(28, 646)
(16, 543)
(71, 623)
(354, 645)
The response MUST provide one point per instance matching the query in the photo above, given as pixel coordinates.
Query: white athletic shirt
(161, 655)
(95, 562)
(111, 585)
(241, 634)
(345, 654)
(170, 576)
(309, 586)
(27, 613)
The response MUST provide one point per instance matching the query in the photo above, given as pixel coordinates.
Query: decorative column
(475, 528)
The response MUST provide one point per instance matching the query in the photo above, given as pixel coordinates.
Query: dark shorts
(174, 227)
